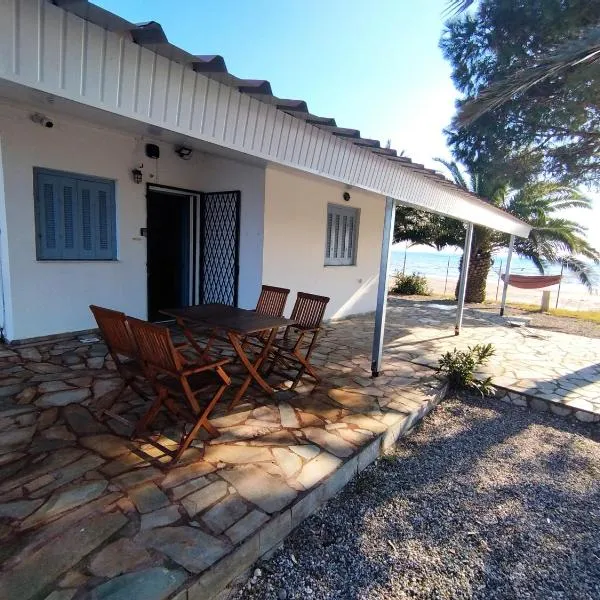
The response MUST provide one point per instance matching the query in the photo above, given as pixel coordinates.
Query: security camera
(42, 120)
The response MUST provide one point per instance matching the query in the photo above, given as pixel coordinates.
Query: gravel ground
(537, 319)
(481, 501)
(564, 324)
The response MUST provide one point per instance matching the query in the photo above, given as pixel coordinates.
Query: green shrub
(411, 285)
(459, 366)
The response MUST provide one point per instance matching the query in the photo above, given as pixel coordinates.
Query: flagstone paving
(550, 370)
(85, 512)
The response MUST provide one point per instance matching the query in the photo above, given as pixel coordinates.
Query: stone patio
(87, 513)
(547, 370)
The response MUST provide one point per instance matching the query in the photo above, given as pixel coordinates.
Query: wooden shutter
(48, 218)
(69, 234)
(342, 229)
(106, 246)
(75, 217)
(97, 216)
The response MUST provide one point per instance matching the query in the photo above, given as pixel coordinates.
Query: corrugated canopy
(151, 36)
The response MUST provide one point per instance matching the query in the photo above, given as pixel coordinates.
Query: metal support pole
(499, 279)
(562, 270)
(511, 246)
(446, 282)
(464, 274)
(382, 289)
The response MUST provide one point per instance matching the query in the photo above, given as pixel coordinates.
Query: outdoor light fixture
(136, 174)
(346, 196)
(42, 120)
(183, 152)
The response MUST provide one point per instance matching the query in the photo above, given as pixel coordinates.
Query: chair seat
(132, 367)
(287, 344)
(198, 382)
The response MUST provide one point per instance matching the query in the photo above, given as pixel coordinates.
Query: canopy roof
(304, 140)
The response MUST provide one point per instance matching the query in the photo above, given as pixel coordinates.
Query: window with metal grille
(342, 235)
(75, 216)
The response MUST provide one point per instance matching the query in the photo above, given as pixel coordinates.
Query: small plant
(411, 285)
(459, 366)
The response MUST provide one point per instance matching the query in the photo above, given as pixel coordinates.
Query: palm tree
(553, 240)
(579, 52)
(482, 245)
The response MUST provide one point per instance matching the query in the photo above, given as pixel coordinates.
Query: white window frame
(341, 251)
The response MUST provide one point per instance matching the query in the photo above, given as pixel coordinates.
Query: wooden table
(237, 323)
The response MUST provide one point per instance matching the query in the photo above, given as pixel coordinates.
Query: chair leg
(103, 411)
(298, 377)
(277, 359)
(201, 422)
(305, 366)
(138, 389)
(150, 415)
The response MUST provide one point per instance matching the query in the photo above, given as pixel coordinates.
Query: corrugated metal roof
(151, 35)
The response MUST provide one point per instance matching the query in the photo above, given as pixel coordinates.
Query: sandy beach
(573, 296)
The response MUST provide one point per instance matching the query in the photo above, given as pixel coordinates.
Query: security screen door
(192, 248)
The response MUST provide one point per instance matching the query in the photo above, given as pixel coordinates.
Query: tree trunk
(479, 267)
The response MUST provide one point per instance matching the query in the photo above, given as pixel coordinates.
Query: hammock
(532, 282)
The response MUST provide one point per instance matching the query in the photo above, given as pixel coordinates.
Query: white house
(137, 176)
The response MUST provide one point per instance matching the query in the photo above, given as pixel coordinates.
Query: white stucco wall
(219, 174)
(44, 298)
(295, 229)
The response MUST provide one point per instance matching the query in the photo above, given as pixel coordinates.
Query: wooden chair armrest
(206, 367)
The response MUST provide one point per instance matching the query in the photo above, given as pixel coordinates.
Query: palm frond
(583, 50)
(583, 270)
(455, 7)
(455, 171)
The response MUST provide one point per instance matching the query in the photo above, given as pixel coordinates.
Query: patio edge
(222, 573)
(539, 404)
(576, 409)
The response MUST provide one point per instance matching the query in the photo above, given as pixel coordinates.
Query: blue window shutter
(48, 217)
(69, 209)
(75, 217)
(104, 209)
(86, 215)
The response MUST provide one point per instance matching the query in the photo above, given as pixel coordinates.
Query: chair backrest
(114, 330)
(309, 310)
(272, 301)
(155, 346)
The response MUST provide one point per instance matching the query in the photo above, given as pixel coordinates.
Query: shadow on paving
(585, 376)
(481, 501)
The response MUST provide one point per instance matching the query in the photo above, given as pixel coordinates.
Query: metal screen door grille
(220, 237)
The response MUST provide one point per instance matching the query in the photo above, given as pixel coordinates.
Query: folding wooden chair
(271, 302)
(178, 382)
(293, 350)
(122, 348)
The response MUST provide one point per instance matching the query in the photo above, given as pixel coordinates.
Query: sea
(440, 264)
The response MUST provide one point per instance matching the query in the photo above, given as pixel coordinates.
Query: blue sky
(372, 65)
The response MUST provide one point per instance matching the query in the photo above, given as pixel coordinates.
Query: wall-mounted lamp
(183, 152)
(136, 175)
(346, 196)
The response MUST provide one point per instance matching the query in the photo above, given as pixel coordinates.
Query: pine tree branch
(584, 50)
